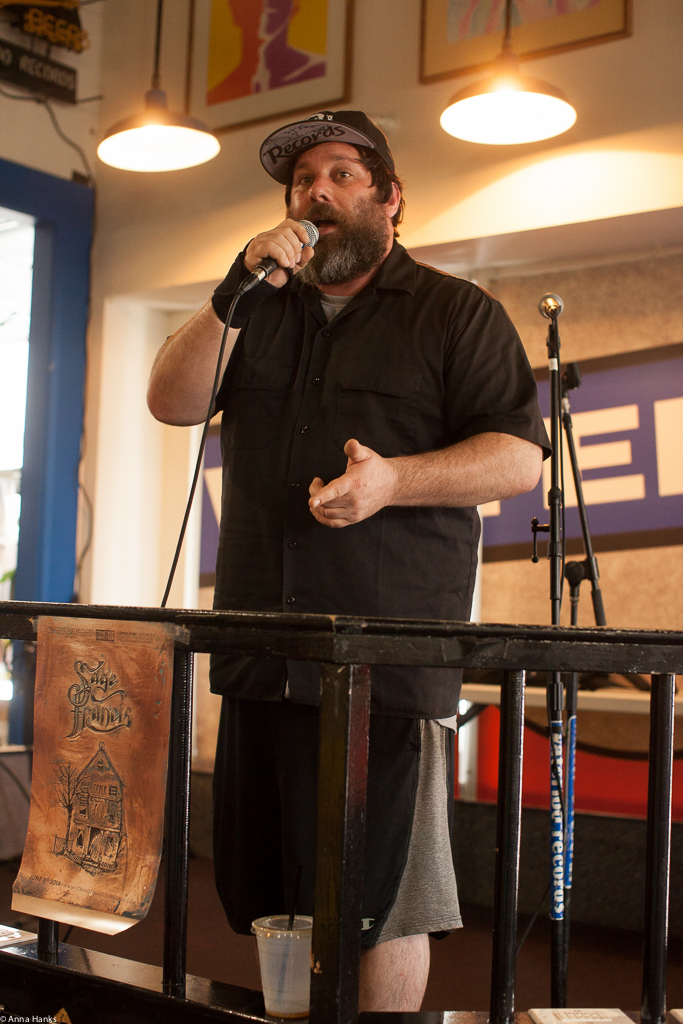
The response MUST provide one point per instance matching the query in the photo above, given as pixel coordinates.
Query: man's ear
(394, 202)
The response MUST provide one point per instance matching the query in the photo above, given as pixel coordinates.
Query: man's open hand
(367, 485)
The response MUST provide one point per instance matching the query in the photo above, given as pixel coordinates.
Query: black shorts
(265, 796)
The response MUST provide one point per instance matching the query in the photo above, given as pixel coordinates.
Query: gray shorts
(427, 897)
(265, 796)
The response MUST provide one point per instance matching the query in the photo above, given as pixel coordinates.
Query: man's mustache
(321, 211)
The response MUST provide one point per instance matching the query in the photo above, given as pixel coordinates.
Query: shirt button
(325, 333)
(316, 380)
(304, 430)
(291, 600)
(295, 485)
(291, 544)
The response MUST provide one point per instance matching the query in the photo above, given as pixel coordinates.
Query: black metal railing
(347, 646)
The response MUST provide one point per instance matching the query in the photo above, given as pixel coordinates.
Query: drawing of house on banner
(95, 829)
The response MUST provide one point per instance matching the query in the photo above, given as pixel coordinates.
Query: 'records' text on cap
(354, 127)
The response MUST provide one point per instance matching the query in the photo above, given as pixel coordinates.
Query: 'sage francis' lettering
(97, 700)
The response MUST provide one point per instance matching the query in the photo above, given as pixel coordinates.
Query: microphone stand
(575, 572)
(571, 380)
(551, 307)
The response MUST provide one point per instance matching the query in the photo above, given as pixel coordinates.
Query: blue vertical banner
(211, 508)
(627, 420)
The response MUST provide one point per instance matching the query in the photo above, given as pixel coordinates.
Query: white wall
(144, 474)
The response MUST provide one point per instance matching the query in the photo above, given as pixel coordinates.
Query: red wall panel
(603, 784)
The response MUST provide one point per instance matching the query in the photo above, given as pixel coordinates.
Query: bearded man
(369, 405)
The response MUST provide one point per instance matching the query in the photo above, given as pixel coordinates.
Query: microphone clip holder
(536, 528)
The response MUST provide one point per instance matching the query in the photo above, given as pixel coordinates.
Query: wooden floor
(605, 967)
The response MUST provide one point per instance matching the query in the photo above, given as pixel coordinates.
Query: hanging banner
(102, 710)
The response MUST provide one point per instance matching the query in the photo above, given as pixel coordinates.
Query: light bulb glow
(158, 147)
(507, 116)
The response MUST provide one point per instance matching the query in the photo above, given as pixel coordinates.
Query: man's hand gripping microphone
(267, 265)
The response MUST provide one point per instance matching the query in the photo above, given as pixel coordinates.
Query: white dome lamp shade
(157, 139)
(507, 108)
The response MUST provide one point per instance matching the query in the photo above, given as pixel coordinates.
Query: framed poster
(254, 60)
(461, 36)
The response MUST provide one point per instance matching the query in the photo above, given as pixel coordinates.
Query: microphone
(267, 265)
(551, 306)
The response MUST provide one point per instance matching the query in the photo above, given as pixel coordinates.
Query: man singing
(369, 403)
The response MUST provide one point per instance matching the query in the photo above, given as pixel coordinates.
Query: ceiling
(611, 239)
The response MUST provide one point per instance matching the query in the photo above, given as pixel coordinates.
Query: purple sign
(628, 430)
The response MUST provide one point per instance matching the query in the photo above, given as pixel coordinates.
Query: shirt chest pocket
(377, 405)
(254, 409)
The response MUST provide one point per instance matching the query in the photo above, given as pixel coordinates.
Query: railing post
(508, 830)
(178, 826)
(342, 784)
(48, 940)
(658, 857)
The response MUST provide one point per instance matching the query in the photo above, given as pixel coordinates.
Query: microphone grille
(311, 231)
(551, 306)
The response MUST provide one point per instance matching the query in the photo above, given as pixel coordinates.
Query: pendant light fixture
(157, 139)
(507, 108)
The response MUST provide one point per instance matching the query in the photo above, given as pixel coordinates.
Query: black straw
(295, 898)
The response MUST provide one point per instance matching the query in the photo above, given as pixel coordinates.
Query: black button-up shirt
(416, 361)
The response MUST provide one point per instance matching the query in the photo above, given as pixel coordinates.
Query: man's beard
(357, 246)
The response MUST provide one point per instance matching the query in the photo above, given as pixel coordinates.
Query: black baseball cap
(283, 146)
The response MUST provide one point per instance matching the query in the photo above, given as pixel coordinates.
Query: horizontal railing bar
(349, 640)
(194, 619)
(510, 654)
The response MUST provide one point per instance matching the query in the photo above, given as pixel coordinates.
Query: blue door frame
(63, 211)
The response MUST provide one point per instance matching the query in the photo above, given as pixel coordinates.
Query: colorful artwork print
(462, 36)
(259, 45)
(470, 18)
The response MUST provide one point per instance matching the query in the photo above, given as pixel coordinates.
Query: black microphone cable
(263, 270)
(202, 446)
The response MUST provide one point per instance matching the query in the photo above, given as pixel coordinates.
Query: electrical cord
(590, 748)
(65, 138)
(90, 515)
(44, 101)
(563, 541)
(13, 96)
(532, 922)
(202, 446)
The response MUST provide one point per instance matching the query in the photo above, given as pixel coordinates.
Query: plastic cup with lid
(285, 960)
